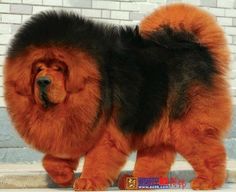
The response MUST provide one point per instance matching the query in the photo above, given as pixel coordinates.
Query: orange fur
(154, 161)
(102, 163)
(73, 117)
(64, 133)
(56, 89)
(201, 133)
(194, 20)
(198, 135)
(60, 170)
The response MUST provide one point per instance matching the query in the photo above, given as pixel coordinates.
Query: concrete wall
(121, 12)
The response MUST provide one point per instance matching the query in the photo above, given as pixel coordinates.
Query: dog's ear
(81, 70)
(75, 81)
(23, 83)
(18, 76)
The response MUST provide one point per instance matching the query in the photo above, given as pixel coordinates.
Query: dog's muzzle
(43, 83)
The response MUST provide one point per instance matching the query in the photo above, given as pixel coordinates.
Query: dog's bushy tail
(195, 21)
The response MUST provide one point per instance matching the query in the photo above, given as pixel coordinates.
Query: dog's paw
(204, 184)
(90, 184)
(63, 177)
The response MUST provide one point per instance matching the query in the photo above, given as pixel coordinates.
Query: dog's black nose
(43, 81)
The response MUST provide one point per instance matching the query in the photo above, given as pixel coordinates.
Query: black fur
(139, 75)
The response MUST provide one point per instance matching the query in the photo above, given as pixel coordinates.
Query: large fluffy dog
(78, 88)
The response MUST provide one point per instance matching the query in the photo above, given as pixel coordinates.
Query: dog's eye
(38, 69)
(59, 68)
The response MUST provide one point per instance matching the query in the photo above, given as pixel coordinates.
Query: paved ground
(226, 188)
(33, 178)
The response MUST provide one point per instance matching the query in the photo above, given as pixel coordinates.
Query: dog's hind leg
(207, 157)
(198, 135)
(154, 162)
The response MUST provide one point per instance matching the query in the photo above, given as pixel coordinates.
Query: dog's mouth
(44, 99)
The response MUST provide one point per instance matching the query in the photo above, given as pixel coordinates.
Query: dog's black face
(49, 83)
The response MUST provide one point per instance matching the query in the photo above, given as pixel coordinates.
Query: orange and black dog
(76, 88)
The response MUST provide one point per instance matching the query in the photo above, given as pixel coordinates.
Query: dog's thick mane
(62, 28)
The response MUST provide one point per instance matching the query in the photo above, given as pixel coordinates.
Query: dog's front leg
(61, 171)
(103, 163)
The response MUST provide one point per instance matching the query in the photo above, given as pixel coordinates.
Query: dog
(75, 87)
